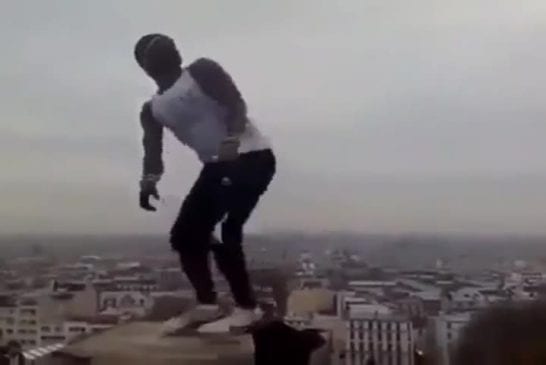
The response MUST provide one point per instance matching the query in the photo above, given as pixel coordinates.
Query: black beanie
(157, 54)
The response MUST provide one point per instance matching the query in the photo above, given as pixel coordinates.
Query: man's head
(157, 55)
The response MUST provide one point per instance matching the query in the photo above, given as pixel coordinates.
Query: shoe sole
(190, 329)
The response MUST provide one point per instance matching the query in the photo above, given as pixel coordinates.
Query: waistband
(268, 152)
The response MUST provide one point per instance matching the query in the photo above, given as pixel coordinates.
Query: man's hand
(229, 149)
(148, 189)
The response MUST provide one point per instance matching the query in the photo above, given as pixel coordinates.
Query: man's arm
(152, 165)
(218, 84)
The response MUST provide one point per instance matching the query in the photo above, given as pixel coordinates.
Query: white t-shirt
(198, 121)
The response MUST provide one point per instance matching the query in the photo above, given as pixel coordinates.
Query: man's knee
(232, 233)
(222, 250)
(188, 240)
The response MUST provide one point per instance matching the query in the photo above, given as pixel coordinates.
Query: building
(430, 300)
(135, 283)
(306, 266)
(71, 298)
(447, 328)
(465, 299)
(411, 306)
(364, 285)
(345, 299)
(387, 339)
(303, 301)
(133, 303)
(43, 318)
(20, 322)
(171, 279)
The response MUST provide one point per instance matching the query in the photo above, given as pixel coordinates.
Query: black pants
(225, 192)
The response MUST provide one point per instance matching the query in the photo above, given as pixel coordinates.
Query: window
(76, 329)
(45, 329)
(9, 331)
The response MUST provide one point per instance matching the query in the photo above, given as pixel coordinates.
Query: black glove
(148, 189)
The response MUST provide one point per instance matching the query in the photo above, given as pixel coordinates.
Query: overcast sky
(387, 115)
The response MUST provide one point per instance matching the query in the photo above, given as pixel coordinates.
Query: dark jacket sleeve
(218, 84)
(152, 166)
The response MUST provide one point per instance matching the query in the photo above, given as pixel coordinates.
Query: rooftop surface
(140, 343)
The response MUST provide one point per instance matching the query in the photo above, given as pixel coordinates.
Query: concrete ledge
(140, 343)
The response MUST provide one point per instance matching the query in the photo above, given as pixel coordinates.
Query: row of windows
(28, 312)
(387, 359)
(123, 302)
(28, 342)
(394, 326)
(395, 336)
(24, 331)
(53, 338)
(27, 322)
(49, 329)
(377, 346)
(143, 288)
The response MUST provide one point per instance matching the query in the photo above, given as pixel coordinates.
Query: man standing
(203, 108)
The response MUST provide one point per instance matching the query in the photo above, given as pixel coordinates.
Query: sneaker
(191, 319)
(236, 322)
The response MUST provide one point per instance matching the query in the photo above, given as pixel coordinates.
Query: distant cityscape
(376, 299)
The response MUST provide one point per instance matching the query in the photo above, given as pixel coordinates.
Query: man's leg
(229, 254)
(253, 178)
(191, 234)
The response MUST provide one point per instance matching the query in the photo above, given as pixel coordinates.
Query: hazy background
(387, 115)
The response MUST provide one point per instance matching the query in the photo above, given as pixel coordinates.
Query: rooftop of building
(460, 316)
(105, 319)
(141, 343)
(427, 295)
(372, 283)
